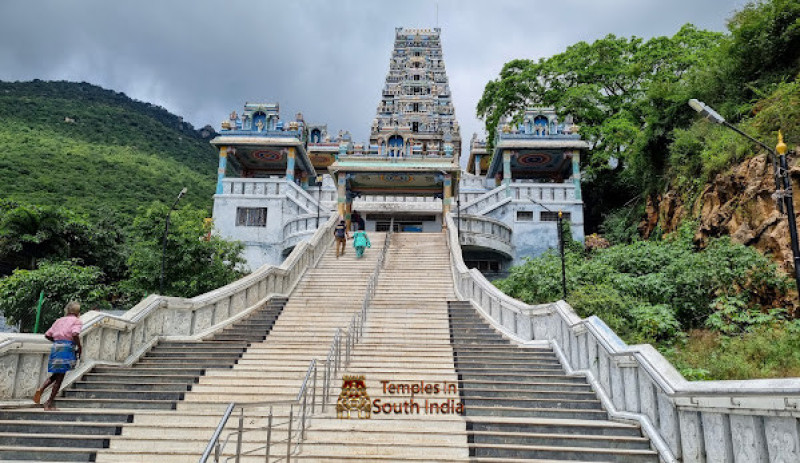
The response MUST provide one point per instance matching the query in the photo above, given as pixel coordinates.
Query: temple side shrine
(279, 181)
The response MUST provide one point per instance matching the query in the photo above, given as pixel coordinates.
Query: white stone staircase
(406, 340)
(272, 370)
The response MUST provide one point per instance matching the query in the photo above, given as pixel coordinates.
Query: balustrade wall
(485, 232)
(689, 421)
(109, 339)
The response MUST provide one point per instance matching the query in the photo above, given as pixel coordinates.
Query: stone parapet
(120, 340)
(485, 232)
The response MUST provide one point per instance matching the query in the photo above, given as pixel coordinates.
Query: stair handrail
(294, 437)
(334, 361)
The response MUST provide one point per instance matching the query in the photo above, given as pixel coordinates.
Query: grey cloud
(202, 59)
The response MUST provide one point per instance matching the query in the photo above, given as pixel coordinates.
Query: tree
(626, 94)
(762, 51)
(194, 265)
(61, 282)
(30, 234)
(604, 85)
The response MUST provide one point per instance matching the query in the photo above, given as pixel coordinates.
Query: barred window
(547, 216)
(251, 216)
(524, 216)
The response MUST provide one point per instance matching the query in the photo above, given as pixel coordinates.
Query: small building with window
(264, 173)
(532, 174)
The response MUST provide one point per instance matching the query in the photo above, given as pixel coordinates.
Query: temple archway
(395, 145)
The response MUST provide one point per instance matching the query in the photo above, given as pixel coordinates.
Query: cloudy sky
(201, 59)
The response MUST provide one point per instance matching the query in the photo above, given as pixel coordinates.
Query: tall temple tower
(279, 182)
(415, 115)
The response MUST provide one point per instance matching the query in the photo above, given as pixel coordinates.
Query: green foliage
(116, 155)
(769, 351)
(78, 162)
(193, 265)
(733, 316)
(620, 226)
(29, 234)
(605, 85)
(763, 49)
(703, 150)
(655, 322)
(629, 97)
(652, 291)
(605, 302)
(61, 282)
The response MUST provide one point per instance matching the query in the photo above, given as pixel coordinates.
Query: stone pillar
(507, 171)
(290, 158)
(477, 165)
(576, 174)
(341, 190)
(447, 198)
(348, 210)
(223, 162)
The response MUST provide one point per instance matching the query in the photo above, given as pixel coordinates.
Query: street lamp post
(164, 241)
(560, 225)
(458, 208)
(319, 196)
(783, 185)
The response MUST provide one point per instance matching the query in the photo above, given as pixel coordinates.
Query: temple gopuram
(280, 181)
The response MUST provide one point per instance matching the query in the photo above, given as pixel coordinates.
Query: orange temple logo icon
(353, 398)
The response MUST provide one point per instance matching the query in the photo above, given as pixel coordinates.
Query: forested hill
(87, 148)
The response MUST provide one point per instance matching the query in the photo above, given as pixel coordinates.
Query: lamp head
(781, 146)
(706, 111)
(183, 192)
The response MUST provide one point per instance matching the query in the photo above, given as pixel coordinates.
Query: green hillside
(86, 148)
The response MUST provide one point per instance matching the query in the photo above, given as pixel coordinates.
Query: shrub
(654, 322)
(605, 302)
(61, 283)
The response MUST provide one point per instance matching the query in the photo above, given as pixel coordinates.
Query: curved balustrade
(689, 421)
(110, 339)
(301, 227)
(485, 232)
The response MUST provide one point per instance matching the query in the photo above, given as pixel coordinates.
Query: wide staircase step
(271, 369)
(520, 405)
(96, 408)
(518, 402)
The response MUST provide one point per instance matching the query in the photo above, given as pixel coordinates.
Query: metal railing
(350, 337)
(308, 398)
(293, 426)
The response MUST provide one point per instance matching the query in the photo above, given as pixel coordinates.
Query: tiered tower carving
(415, 115)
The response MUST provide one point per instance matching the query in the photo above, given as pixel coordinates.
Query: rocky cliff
(738, 203)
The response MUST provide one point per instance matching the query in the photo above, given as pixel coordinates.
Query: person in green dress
(360, 242)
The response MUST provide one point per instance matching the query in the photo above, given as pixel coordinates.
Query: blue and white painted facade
(276, 179)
